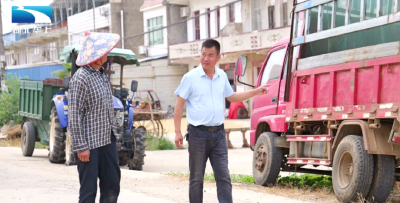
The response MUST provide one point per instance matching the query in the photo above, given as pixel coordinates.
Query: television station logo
(37, 15)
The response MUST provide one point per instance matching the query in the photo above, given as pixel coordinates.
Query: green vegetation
(156, 143)
(61, 74)
(9, 101)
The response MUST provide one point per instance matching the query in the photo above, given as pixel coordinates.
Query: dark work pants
(204, 145)
(103, 164)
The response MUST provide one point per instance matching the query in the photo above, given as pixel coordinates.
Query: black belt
(210, 129)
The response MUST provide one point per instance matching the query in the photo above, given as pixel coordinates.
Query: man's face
(209, 57)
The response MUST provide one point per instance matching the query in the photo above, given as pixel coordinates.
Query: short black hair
(210, 43)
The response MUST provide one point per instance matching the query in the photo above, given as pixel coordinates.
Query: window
(273, 67)
(327, 16)
(340, 13)
(313, 20)
(197, 25)
(271, 19)
(285, 14)
(155, 37)
(256, 4)
(231, 13)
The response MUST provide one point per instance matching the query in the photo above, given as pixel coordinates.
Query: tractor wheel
(383, 181)
(69, 154)
(266, 160)
(56, 141)
(28, 138)
(123, 158)
(353, 169)
(139, 144)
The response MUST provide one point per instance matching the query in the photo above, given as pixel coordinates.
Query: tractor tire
(383, 181)
(267, 160)
(69, 154)
(139, 143)
(353, 169)
(28, 139)
(123, 158)
(56, 140)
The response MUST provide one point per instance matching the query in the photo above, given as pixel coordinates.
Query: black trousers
(103, 164)
(204, 145)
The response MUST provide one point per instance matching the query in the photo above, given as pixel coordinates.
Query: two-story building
(243, 27)
(32, 50)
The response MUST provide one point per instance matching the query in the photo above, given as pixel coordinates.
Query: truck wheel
(123, 158)
(69, 154)
(56, 141)
(353, 169)
(28, 138)
(266, 160)
(139, 143)
(383, 180)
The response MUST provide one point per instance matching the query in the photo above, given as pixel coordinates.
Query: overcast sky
(6, 10)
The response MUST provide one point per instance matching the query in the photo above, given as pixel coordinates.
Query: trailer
(333, 99)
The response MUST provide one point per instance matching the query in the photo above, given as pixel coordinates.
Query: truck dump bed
(35, 98)
(360, 84)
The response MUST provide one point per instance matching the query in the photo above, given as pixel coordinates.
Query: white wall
(152, 13)
(83, 21)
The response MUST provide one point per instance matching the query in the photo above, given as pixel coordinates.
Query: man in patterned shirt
(90, 121)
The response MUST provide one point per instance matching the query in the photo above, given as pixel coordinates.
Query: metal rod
(362, 11)
(378, 8)
(122, 29)
(333, 14)
(94, 18)
(347, 15)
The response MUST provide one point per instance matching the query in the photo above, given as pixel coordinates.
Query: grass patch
(155, 143)
(304, 181)
(17, 143)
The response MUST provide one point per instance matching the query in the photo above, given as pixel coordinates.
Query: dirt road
(34, 180)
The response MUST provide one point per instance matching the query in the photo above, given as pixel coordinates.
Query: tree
(61, 74)
(9, 100)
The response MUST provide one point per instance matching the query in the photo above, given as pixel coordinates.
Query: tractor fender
(62, 109)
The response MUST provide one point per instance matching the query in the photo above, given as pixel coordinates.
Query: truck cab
(269, 109)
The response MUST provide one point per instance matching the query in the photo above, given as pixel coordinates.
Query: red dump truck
(333, 99)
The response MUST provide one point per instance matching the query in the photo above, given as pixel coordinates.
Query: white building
(243, 27)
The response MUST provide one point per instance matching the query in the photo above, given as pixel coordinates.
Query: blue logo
(32, 14)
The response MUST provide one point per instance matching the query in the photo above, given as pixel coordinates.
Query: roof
(150, 3)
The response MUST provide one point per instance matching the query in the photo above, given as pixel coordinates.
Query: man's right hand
(84, 156)
(179, 140)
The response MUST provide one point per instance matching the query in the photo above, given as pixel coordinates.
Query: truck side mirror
(134, 85)
(241, 64)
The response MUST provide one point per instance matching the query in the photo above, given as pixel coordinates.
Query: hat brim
(95, 46)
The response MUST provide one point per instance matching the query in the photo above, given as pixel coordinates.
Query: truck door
(264, 105)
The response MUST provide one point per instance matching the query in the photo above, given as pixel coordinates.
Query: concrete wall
(177, 33)
(133, 23)
(83, 21)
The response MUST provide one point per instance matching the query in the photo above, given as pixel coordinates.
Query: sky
(6, 10)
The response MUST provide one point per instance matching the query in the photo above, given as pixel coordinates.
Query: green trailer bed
(35, 106)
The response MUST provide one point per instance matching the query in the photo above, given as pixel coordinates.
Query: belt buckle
(213, 129)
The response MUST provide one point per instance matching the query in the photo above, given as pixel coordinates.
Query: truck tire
(28, 138)
(139, 142)
(353, 169)
(69, 154)
(383, 180)
(56, 140)
(267, 160)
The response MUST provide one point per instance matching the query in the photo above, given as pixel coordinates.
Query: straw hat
(95, 46)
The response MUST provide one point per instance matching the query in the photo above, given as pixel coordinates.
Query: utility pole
(2, 56)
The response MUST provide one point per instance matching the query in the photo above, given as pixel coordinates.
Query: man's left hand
(261, 90)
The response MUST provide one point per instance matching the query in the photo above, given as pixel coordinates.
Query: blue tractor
(130, 142)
